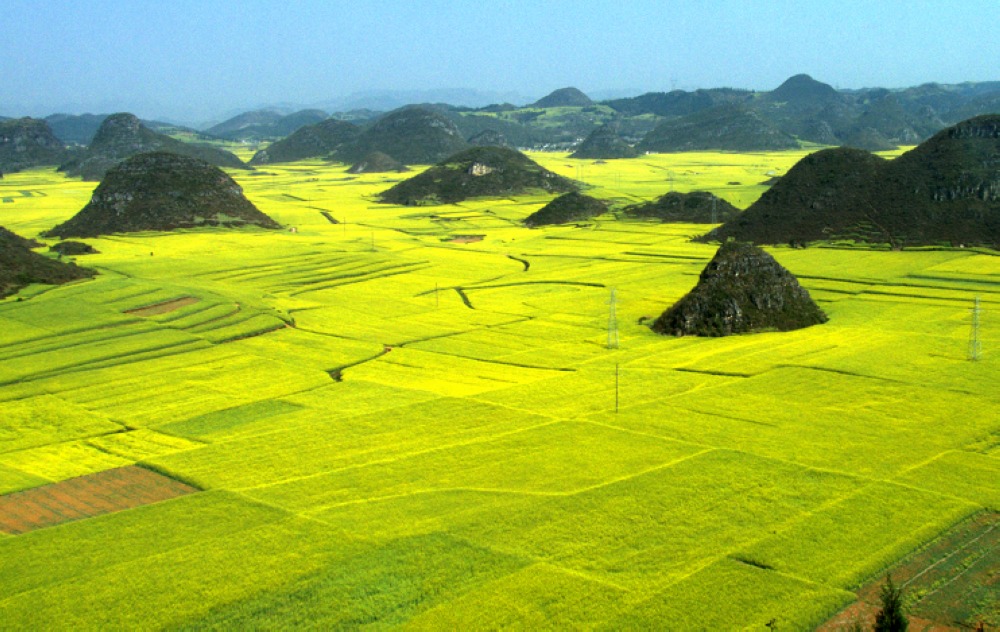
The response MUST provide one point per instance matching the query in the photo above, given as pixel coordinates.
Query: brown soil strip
(466, 239)
(85, 497)
(163, 308)
(950, 577)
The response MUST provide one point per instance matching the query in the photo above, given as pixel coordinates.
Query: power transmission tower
(975, 348)
(612, 323)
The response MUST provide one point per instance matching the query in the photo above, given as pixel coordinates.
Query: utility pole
(612, 323)
(975, 348)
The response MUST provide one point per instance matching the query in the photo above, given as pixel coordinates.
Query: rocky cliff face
(162, 191)
(742, 290)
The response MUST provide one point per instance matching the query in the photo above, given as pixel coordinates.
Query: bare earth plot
(85, 497)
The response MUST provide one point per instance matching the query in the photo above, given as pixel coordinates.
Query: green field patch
(59, 461)
(51, 557)
(179, 582)
(336, 442)
(650, 530)
(225, 420)
(379, 586)
(47, 419)
(536, 597)
(973, 477)
(559, 458)
(14, 480)
(754, 599)
(850, 540)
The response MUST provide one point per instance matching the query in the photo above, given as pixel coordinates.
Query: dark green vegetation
(73, 248)
(696, 207)
(162, 191)
(890, 617)
(318, 139)
(563, 97)
(264, 124)
(123, 135)
(946, 191)
(413, 135)
(477, 172)
(605, 142)
(489, 138)
(27, 143)
(570, 207)
(19, 266)
(741, 290)
(727, 127)
(377, 162)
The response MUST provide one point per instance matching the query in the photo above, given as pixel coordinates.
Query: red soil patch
(953, 580)
(85, 497)
(165, 307)
(466, 239)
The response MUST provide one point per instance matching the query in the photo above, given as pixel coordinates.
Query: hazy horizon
(194, 62)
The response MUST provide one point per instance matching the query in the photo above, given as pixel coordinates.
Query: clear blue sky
(193, 60)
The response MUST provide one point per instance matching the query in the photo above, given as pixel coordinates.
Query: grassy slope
(478, 474)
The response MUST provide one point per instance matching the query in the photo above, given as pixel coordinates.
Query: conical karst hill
(123, 135)
(946, 191)
(605, 143)
(569, 207)
(20, 266)
(742, 290)
(563, 97)
(477, 172)
(162, 191)
(727, 127)
(377, 162)
(311, 141)
(413, 135)
(27, 143)
(696, 207)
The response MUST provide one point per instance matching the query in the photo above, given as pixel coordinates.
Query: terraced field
(389, 423)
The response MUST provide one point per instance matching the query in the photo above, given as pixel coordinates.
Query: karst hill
(741, 290)
(162, 191)
(727, 127)
(946, 191)
(26, 143)
(312, 141)
(696, 207)
(20, 266)
(377, 162)
(477, 172)
(123, 135)
(413, 135)
(569, 207)
(563, 97)
(605, 143)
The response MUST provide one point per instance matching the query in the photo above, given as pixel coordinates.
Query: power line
(975, 347)
(612, 322)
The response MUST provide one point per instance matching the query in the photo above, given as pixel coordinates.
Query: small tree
(890, 617)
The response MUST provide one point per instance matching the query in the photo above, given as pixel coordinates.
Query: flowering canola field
(395, 425)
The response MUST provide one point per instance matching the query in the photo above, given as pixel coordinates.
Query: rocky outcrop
(123, 135)
(567, 208)
(742, 290)
(477, 172)
(162, 191)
